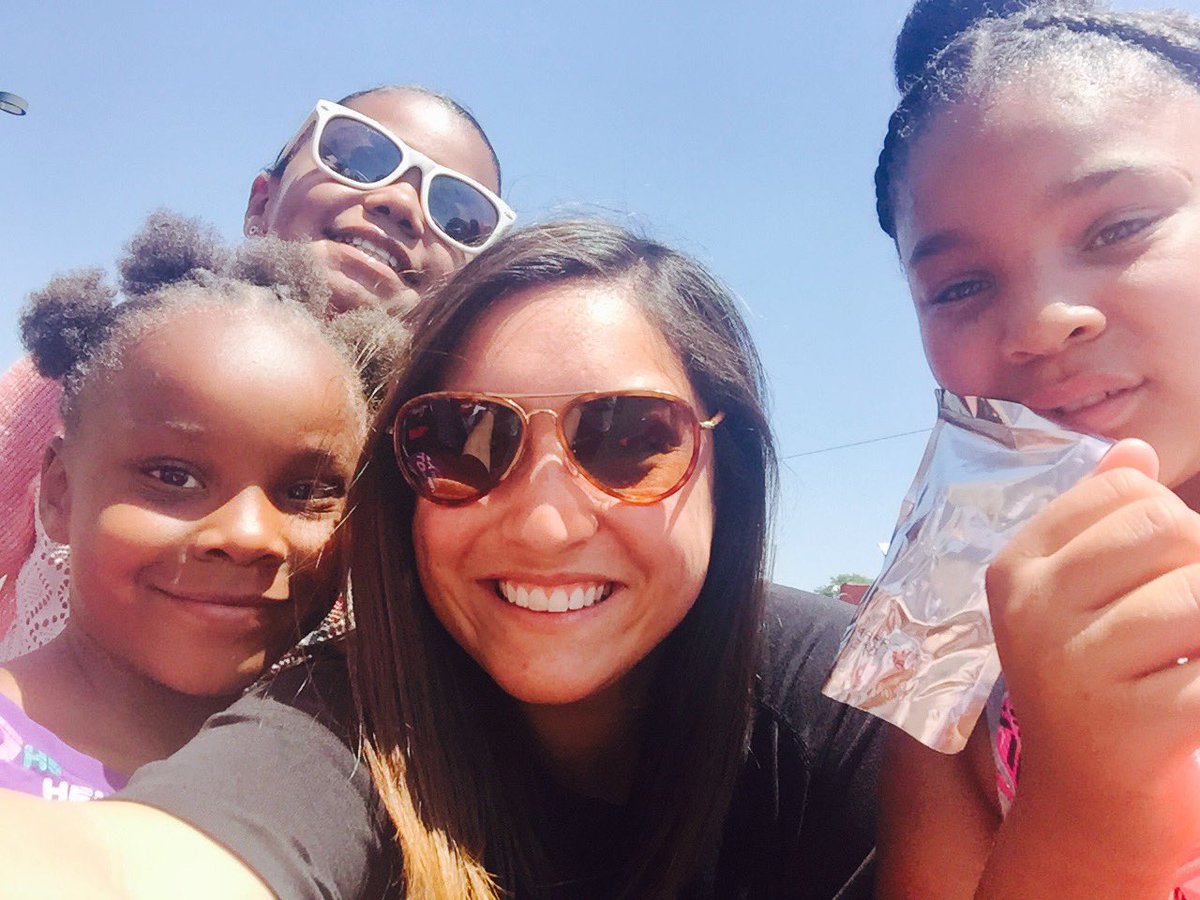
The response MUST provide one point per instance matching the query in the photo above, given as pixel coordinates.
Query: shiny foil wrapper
(920, 652)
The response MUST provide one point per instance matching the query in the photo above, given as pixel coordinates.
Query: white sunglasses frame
(411, 158)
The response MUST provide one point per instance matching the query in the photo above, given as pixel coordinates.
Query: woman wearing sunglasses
(567, 681)
(392, 188)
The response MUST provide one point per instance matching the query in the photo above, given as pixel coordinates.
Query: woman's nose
(247, 529)
(398, 203)
(548, 505)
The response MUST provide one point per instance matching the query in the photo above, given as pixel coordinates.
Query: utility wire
(876, 440)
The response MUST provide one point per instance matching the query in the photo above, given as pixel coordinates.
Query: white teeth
(558, 599)
(372, 250)
(576, 599)
(538, 600)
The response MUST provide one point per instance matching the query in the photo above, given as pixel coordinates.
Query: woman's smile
(554, 598)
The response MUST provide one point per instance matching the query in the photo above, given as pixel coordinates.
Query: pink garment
(1006, 753)
(29, 418)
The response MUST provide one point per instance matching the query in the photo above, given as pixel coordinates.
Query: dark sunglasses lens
(357, 151)
(639, 448)
(464, 213)
(456, 449)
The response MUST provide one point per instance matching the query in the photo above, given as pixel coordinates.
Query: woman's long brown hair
(446, 746)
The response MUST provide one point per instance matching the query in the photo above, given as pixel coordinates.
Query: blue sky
(745, 135)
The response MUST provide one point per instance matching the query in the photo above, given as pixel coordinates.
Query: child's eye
(1119, 231)
(960, 290)
(174, 476)
(315, 493)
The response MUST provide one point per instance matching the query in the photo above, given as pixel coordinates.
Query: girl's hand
(1096, 610)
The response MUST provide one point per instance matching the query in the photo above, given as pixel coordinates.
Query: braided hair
(950, 50)
(78, 327)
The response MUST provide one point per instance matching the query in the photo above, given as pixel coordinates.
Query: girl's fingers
(1115, 706)
(1087, 548)
(1145, 632)
(1113, 531)
(1130, 453)
(1116, 547)
(1082, 506)
(1176, 690)
(1130, 547)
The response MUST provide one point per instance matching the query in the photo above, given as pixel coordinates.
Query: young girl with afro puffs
(392, 189)
(213, 420)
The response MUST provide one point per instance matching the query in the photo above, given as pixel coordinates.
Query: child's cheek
(315, 567)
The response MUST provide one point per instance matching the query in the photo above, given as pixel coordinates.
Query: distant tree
(833, 587)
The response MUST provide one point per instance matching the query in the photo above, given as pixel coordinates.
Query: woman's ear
(54, 497)
(255, 221)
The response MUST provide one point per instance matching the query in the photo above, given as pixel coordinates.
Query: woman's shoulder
(802, 632)
(268, 776)
(310, 705)
(789, 611)
(318, 687)
(803, 819)
(801, 635)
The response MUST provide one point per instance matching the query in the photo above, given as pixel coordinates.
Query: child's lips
(225, 599)
(231, 608)
(1092, 404)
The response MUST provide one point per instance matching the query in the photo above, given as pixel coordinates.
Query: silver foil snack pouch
(920, 652)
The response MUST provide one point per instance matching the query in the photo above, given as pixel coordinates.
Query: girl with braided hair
(392, 189)
(213, 420)
(1041, 180)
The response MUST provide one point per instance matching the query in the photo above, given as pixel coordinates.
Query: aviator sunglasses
(355, 150)
(637, 446)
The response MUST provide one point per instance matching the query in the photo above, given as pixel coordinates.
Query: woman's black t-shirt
(275, 780)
